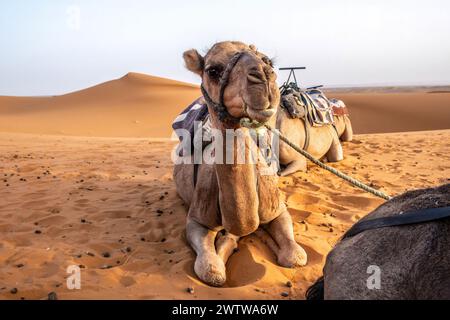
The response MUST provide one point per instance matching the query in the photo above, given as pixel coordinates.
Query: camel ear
(194, 61)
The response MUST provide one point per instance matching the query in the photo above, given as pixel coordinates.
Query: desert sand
(86, 179)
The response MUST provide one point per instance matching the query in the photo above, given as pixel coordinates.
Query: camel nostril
(256, 77)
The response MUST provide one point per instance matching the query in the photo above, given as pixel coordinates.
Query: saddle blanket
(196, 111)
(322, 113)
(339, 107)
(194, 120)
(312, 105)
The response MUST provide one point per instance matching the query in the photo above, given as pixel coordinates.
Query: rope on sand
(253, 124)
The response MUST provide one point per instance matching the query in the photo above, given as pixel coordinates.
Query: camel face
(252, 90)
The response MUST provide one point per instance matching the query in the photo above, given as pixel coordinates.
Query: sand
(109, 204)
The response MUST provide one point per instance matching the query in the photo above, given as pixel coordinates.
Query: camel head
(251, 90)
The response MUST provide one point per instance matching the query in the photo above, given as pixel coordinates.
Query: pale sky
(57, 46)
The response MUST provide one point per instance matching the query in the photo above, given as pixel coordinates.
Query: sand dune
(110, 205)
(139, 105)
(135, 105)
(377, 112)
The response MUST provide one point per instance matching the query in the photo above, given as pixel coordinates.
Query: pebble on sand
(190, 290)
(52, 296)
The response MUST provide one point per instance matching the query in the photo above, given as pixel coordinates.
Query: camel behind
(413, 260)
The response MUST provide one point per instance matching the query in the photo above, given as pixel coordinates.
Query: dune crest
(135, 105)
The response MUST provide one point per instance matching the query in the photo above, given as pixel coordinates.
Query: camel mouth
(260, 115)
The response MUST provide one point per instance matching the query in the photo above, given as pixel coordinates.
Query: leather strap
(219, 108)
(411, 217)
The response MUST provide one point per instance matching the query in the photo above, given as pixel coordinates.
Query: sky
(52, 47)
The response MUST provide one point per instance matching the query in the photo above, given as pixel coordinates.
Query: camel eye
(214, 73)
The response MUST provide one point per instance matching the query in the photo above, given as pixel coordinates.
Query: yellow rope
(252, 124)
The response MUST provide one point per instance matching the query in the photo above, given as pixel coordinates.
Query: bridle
(220, 108)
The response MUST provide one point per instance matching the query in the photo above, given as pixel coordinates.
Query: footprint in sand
(82, 203)
(242, 269)
(303, 199)
(314, 257)
(127, 281)
(116, 214)
(52, 220)
(155, 235)
(299, 215)
(356, 201)
(310, 186)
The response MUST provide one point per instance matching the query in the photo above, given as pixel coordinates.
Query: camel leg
(335, 153)
(209, 267)
(290, 253)
(225, 245)
(347, 135)
(294, 166)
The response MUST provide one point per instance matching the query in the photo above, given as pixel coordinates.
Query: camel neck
(246, 197)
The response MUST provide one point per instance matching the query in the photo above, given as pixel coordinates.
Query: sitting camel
(394, 262)
(229, 201)
(323, 141)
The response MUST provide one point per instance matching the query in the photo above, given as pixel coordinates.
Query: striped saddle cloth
(194, 118)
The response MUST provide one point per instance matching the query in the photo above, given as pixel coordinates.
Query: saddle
(310, 105)
(321, 107)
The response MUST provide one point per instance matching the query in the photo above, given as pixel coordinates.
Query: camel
(343, 127)
(232, 200)
(324, 141)
(398, 262)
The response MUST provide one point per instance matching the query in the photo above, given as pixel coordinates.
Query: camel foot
(292, 256)
(210, 269)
